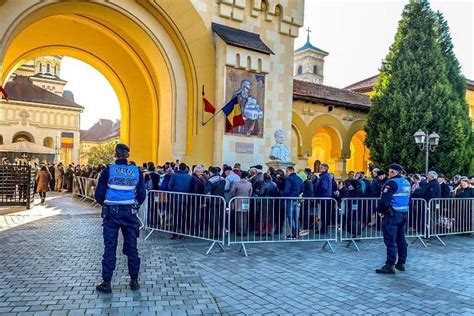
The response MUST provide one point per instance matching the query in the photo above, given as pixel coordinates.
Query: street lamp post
(426, 142)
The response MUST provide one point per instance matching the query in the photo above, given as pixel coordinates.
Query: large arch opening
(136, 53)
(326, 148)
(359, 160)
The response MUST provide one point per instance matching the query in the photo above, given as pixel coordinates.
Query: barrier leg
(440, 240)
(421, 240)
(242, 247)
(352, 242)
(212, 246)
(328, 243)
(149, 234)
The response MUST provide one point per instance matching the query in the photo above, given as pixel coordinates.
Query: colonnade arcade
(328, 139)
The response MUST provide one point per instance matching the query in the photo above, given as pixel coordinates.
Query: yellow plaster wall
(122, 40)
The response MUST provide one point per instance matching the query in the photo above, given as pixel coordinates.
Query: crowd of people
(233, 181)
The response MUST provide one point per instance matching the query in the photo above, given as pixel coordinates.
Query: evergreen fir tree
(419, 88)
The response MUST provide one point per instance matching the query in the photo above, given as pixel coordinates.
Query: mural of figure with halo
(249, 88)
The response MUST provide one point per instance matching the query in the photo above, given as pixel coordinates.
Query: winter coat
(215, 186)
(465, 193)
(256, 181)
(180, 182)
(241, 188)
(230, 181)
(308, 188)
(267, 189)
(293, 186)
(432, 190)
(165, 184)
(324, 186)
(356, 190)
(43, 178)
(445, 191)
(197, 184)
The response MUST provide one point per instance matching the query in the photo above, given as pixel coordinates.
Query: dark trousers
(394, 228)
(115, 218)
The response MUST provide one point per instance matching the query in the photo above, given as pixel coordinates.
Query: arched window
(48, 142)
(1, 140)
(48, 68)
(41, 68)
(23, 136)
(300, 70)
(315, 69)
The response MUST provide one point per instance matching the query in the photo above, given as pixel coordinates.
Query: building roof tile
(101, 131)
(367, 85)
(318, 93)
(22, 89)
(239, 38)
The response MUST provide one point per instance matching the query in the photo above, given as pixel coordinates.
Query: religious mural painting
(249, 88)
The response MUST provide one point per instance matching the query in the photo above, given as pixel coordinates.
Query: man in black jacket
(445, 189)
(433, 189)
(215, 186)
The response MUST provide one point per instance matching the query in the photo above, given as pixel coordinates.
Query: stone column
(341, 170)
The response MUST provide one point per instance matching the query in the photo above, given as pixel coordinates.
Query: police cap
(396, 167)
(121, 148)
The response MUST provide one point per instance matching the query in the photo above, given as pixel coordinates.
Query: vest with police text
(123, 179)
(401, 199)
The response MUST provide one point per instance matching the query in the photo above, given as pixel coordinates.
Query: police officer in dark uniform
(393, 208)
(120, 191)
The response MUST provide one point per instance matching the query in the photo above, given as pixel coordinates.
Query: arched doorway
(359, 160)
(23, 136)
(48, 142)
(140, 52)
(326, 147)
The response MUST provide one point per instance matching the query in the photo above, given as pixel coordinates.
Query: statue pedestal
(277, 164)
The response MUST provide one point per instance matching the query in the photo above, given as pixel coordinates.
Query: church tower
(309, 62)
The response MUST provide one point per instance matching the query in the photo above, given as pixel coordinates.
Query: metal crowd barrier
(85, 189)
(280, 219)
(450, 217)
(191, 215)
(359, 220)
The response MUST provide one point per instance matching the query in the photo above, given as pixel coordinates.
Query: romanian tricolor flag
(233, 114)
(4, 93)
(67, 140)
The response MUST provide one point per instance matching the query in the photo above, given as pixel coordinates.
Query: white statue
(280, 151)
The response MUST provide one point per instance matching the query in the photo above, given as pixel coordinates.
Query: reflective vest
(401, 199)
(123, 179)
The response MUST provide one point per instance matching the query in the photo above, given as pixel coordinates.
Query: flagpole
(202, 106)
(204, 123)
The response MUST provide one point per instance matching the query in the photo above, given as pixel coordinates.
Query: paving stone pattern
(51, 266)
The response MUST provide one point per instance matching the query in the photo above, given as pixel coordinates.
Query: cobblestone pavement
(50, 267)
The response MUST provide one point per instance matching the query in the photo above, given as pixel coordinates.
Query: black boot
(400, 266)
(386, 269)
(104, 287)
(134, 285)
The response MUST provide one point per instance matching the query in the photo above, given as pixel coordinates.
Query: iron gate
(16, 185)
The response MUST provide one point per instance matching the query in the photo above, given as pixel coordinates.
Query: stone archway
(359, 160)
(142, 53)
(326, 147)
